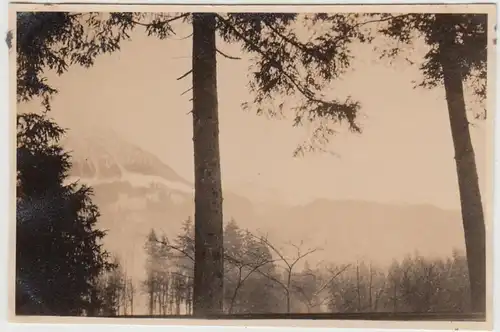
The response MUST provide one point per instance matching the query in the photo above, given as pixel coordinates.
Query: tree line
(260, 278)
(286, 66)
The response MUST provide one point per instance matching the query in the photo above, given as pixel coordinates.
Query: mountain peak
(100, 155)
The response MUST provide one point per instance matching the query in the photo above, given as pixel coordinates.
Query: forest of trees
(259, 278)
(285, 66)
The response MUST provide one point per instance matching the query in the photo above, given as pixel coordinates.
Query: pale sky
(405, 153)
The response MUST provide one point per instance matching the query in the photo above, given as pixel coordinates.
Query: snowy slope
(103, 157)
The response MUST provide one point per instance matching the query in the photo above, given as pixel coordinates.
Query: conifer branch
(184, 75)
(182, 94)
(227, 56)
(304, 91)
(170, 20)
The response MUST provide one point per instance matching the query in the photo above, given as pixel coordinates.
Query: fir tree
(58, 247)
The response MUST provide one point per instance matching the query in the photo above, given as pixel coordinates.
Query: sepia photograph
(304, 163)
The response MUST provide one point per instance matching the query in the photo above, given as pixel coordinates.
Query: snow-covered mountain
(104, 158)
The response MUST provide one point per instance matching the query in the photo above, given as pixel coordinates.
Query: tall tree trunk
(468, 182)
(358, 290)
(151, 295)
(394, 297)
(288, 285)
(132, 301)
(208, 270)
(370, 286)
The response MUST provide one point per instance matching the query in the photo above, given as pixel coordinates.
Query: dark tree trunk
(394, 298)
(151, 299)
(208, 270)
(468, 182)
(132, 302)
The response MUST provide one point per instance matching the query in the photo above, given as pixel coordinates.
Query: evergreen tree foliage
(59, 253)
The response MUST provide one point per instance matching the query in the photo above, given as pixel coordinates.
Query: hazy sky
(405, 153)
